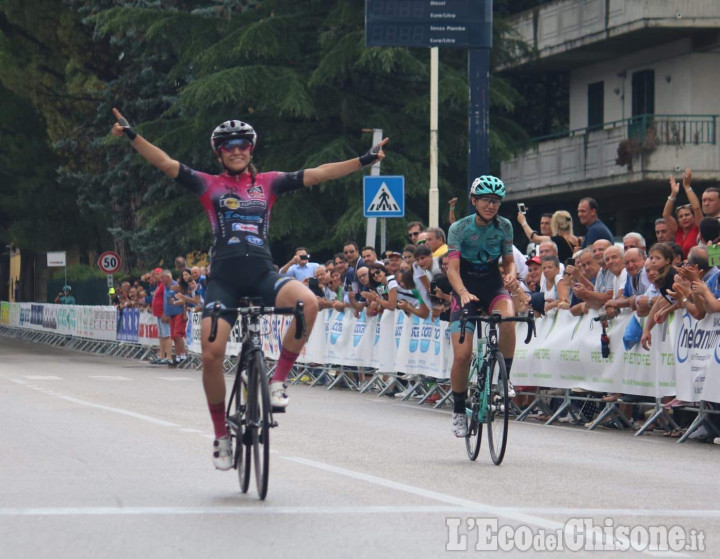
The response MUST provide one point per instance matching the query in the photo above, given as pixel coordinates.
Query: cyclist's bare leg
(288, 296)
(213, 356)
(462, 354)
(507, 329)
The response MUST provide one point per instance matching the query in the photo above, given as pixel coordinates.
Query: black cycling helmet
(231, 130)
(487, 184)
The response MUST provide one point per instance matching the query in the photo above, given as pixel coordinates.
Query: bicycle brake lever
(530, 331)
(463, 322)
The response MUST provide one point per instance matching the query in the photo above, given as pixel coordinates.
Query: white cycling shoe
(459, 425)
(222, 454)
(278, 394)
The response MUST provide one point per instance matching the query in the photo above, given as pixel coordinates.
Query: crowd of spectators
(561, 269)
(648, 279)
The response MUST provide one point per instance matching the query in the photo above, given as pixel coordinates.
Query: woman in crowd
(556, 289)
(408, 297)
(383, 288)
(561, 226)
(684, 226)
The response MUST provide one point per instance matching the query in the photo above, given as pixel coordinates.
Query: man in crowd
(200, 280)
(534, 273)
(634, 240)
(545, 229)
(548, 248)
(174, 313)
(588, 216)
(299, 266)
(369, 255)
(615, 264)
(395, 260)
(422, 268)
(414, 229)
(352, 253)
(711, 202)
(180, 265)
(435, 239)
(636, 284)
(163, 322)
(586, 268)
(595, 296)
(662, 232)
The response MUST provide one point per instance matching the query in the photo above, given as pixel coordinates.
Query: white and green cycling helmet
(487, 184)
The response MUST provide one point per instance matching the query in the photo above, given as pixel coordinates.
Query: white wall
(693, 86)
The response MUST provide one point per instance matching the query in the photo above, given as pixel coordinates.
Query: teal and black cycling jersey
(479, 248)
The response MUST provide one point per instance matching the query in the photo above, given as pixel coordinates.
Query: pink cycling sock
(284, 364)
(217, 414)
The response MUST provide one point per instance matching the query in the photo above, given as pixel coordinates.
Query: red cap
(534, 260)
(158, 270)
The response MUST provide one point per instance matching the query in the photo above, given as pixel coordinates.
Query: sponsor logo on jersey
(256, 192)
(252, 204)
(258, 242)
(229, 202)
(245, 227)
(233, 241)
(232, 216)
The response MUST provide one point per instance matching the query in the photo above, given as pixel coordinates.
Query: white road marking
(518, 514)
(189, 430)
(42, 377)
(175, 379)
(109, 377)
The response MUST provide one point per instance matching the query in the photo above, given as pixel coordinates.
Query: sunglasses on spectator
(232, 145)
(414, 234)
(352, 251)
(376, 272)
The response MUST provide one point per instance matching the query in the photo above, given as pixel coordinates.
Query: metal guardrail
(671, 130)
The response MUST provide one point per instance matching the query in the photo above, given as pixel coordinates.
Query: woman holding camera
(561, 226)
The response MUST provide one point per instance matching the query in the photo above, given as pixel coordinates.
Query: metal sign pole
(478, 115)
(371, 231)
(433, 212)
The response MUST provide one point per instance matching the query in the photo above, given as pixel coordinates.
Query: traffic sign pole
(371, 232)
(478, 116)
(433, 217)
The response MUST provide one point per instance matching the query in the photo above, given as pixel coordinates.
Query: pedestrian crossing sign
(384, 196)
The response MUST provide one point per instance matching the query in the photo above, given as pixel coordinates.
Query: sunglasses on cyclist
(241, 144)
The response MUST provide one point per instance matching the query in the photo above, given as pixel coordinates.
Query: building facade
(644, 78)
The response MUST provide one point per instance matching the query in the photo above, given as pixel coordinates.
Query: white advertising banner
(697, 355)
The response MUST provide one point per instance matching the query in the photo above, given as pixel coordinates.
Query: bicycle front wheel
(261, 430)
(498, 409)
(244, 434)
(474, 436)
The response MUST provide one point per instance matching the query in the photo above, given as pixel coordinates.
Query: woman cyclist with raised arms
(476, 243)
(238, 203)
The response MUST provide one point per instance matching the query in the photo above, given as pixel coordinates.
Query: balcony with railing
(630, 150)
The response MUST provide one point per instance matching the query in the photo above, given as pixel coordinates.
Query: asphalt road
(111, 458)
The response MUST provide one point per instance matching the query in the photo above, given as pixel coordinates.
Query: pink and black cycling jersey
(239, 208)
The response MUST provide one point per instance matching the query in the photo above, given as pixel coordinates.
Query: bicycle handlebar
(496, 318)
(256, 310)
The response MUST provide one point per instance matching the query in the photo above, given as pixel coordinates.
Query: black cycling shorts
(488, 289)
(232, 279)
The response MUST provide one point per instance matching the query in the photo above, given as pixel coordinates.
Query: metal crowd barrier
(418, 388)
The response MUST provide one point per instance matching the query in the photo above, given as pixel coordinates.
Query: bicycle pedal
(276, 409)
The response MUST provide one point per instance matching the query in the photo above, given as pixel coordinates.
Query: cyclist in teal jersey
(476, 244)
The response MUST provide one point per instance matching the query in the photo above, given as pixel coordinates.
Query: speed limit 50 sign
(109, 262)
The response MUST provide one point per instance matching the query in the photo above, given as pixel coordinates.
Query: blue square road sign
(384, 196)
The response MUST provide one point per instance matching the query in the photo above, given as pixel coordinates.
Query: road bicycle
(249, 416)
(489, 403)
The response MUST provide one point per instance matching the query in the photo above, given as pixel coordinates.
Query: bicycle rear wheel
(474, 436)
(260, 434)
(498, 410)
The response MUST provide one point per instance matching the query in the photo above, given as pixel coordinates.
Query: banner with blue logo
(128, 325)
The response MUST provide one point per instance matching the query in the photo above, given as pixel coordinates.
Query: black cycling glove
(371, 156)
(127, 130)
